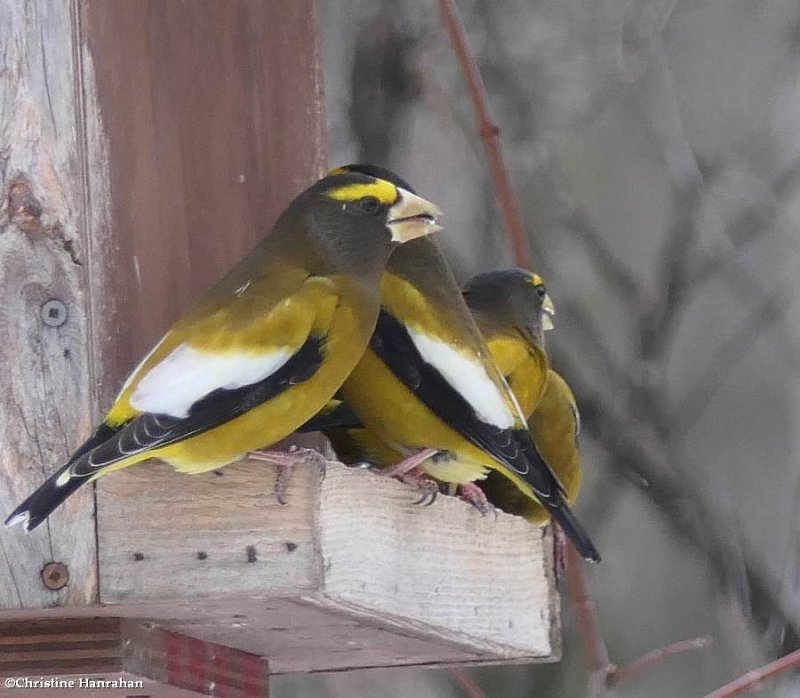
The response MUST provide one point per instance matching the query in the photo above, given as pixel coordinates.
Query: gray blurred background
(656, 149)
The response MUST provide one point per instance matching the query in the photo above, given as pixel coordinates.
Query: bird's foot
(470, 492)
(408, 464)
(427, 486)
(285, 462)
(408, 471)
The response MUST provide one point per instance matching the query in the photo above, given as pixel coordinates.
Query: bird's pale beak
(548, 311)
(412, 217)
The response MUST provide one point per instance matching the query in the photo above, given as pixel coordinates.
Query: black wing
(149, 431)
(340, 417)
(393, 344)
(513, 447)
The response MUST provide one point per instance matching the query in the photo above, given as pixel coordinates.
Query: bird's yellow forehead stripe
(383, 191)
(535, 280)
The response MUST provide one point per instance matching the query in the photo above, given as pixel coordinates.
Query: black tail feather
(564, 517)
(49, 496)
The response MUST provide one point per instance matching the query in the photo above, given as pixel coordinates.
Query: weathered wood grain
(295, 635)
(69, 646)
(350, 573)
(185, 662)
(163, 535)
(44, 366)
(70, 650)
(213, 122)
(472, 579)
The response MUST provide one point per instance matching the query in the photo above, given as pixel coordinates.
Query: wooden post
(144, 147)
(212, 121)
(46, 405)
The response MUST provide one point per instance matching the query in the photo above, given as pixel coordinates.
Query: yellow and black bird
(427, 388)
(264, 349)
(555, 425)
(512, 309)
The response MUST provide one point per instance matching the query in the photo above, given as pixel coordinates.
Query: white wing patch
(139, 367)
(468, 377)
(188, 375)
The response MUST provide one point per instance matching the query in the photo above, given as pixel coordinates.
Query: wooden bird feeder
(147, 146)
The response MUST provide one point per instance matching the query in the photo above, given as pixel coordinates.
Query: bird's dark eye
(541, 291)
(369, 204)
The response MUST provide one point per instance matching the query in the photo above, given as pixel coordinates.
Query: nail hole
(53, 312)
(55, 575)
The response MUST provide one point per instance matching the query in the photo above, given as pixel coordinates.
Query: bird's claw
(470, 492)
(307, 455)
(285, 462)
(428, 488)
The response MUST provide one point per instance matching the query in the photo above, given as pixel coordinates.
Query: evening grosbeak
(428, 390)
(264, 350)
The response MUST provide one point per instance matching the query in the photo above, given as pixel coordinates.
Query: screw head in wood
(54, 313)
(55, 575)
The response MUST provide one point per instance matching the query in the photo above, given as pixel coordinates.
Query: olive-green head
(512, 297)
(349, 223)
(357, 200)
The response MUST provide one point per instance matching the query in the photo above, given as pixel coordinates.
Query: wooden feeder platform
(350, 573)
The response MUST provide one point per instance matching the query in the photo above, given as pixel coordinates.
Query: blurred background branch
(753, 679)
(489, 132)
(655, 657)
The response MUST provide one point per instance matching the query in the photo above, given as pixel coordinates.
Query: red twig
(656, 657)
(605, 674)
(490, 133)
(752, 679)
(588, 624)
(471, 688)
